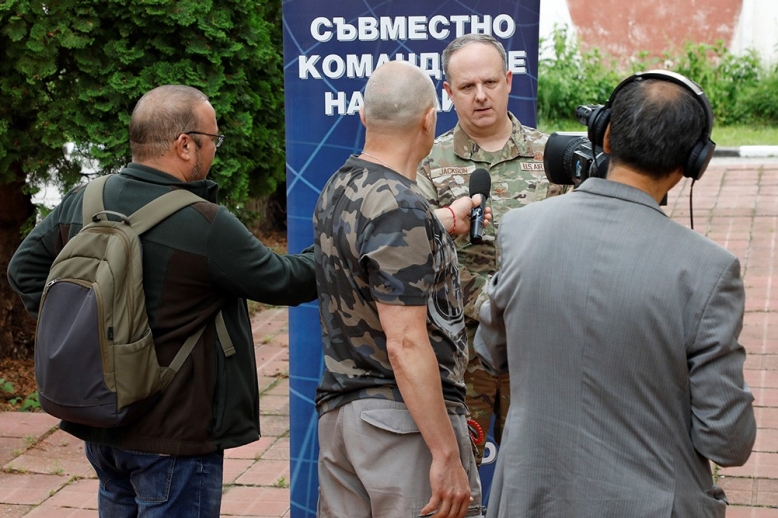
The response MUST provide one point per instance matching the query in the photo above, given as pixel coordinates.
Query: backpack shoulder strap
(186, 349)
(160, 208)
(144, 218)
(221, 332)
(92, 202)
(224, 335)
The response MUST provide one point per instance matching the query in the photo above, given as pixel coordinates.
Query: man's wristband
(453, 215)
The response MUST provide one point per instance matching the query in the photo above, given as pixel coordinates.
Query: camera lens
(564, 157)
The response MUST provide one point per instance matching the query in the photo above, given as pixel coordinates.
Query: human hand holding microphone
(469, 213)
(480, 183)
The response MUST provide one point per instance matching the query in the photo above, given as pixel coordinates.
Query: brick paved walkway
(44, 472)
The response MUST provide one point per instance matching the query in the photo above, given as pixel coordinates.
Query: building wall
(624, 27)
(758, 29)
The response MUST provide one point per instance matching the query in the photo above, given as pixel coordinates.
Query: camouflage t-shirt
(518, 178)
(378, 240)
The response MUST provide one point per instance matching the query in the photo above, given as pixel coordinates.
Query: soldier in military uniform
(487, 136)
(392, 428)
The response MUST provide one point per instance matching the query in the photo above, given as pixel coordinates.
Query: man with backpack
(200, 264)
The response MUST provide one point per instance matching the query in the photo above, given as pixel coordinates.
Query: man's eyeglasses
(217, 139)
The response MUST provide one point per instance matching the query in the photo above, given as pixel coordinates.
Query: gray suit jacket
(620, 328)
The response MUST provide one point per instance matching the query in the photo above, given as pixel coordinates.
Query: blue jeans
(149, 485)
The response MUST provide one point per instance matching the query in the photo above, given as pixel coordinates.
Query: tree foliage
(74, 69)
(71, 71)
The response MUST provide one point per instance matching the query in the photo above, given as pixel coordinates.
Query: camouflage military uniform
(377, 240)
(518, 178)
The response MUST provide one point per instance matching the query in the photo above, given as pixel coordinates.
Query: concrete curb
(747, 151)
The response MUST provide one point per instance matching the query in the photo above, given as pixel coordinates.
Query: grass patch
(562, 125)
(742, 135)
(724, 136)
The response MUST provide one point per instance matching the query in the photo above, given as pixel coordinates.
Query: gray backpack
(95, 361)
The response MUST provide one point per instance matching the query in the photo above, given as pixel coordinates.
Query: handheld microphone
(480, 183)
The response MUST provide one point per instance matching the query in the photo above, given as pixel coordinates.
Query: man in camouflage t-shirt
(491, 138)
(392, 430)
(380, 243)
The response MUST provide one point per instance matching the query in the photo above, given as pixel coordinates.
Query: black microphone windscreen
(480, 183)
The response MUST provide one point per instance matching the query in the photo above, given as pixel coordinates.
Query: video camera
(570, 157)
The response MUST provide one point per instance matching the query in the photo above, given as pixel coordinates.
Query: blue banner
(330, 49)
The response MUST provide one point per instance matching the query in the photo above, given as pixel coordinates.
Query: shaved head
(397, 95)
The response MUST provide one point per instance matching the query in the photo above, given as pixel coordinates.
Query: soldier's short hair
(468, 39)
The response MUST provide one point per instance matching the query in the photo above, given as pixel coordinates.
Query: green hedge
(741, 89)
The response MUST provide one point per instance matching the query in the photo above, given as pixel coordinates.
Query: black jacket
(196, 262)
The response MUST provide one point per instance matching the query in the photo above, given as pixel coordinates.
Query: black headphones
(701, 152)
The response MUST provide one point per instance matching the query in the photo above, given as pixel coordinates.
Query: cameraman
(626, 371)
